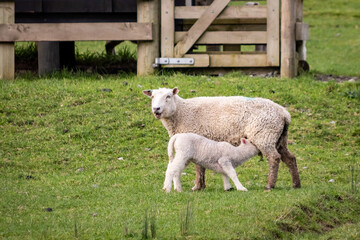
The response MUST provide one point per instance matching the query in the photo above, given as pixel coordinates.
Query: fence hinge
(173, 61)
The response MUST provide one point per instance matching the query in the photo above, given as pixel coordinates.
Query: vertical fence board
(288, 17)
(273, 28)
(148, 12)
(167, 28)
(7, 50)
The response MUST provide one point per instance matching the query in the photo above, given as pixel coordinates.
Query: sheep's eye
(168, 97)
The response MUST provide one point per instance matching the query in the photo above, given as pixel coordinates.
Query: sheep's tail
(282, 142)
(171, 148)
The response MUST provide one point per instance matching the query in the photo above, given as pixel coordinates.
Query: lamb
(221, 157)
(263, 122)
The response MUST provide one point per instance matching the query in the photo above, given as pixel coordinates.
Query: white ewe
(220, 157)
(228, 119)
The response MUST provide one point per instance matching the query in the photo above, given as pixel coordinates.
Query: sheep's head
(163, 101)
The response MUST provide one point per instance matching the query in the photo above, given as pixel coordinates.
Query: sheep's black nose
(155, 109)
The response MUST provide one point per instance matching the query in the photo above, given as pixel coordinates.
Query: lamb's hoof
(243, 189)
(229, 189)
(178, 190)
(166, 189)
(297, 185)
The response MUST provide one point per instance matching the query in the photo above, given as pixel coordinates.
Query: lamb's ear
(243, 140)
(175, 90)
(148, 93)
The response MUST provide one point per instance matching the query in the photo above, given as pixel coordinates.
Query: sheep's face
(163, 101)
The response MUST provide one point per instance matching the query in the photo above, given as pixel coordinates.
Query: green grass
(62, 138)
(81, 155)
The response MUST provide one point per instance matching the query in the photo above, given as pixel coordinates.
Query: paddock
(201, 35)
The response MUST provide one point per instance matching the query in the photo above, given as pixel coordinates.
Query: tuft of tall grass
(185, 219)
(354, 179)
(149, 218)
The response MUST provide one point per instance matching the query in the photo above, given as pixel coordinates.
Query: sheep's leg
(200, 178)
(227, 185)
(290, 160)
(230, 172)
(273, 159)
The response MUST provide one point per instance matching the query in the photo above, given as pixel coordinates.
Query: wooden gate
(242, 35)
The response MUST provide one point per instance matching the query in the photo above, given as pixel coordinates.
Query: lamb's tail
(171, 148)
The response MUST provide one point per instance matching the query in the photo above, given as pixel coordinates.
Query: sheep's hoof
(197, 188)
(229, 189)
(243, 189)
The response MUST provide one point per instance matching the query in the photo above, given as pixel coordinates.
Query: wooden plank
(273, 32)
(220, 37)
(75, 31)
(231, 12)
(225, 60)
(148, 12)
(167, 28)
(7, 51)
(301, 31)
(238, 60)
(288, 68)
(242, 27)
(199, 27)
(200, 60)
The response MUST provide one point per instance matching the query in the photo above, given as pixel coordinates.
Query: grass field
(81, 155)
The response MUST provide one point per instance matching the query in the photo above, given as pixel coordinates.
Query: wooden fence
(218, 35)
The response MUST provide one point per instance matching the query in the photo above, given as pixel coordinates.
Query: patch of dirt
(330, 77)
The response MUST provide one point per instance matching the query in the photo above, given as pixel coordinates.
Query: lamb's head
(246, 145)
(163, 101)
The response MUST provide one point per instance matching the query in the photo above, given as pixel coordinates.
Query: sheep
(221, 157)
(228, 119)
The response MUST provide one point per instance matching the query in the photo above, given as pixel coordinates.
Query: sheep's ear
(148, 93)
(243, 140)
(175, 91)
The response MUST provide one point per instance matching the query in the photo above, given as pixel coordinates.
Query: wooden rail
(75, 32)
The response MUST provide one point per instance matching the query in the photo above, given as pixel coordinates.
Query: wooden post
(7, 50)
(167, 28)
(288, 18)
(148, 12)
(48, 57)
(300, 45)
(273, 46)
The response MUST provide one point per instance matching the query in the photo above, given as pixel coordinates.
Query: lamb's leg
(230, 172)
(174, 173)
(227, 185)
(168, 178)
(200, 178)
(177, 182)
